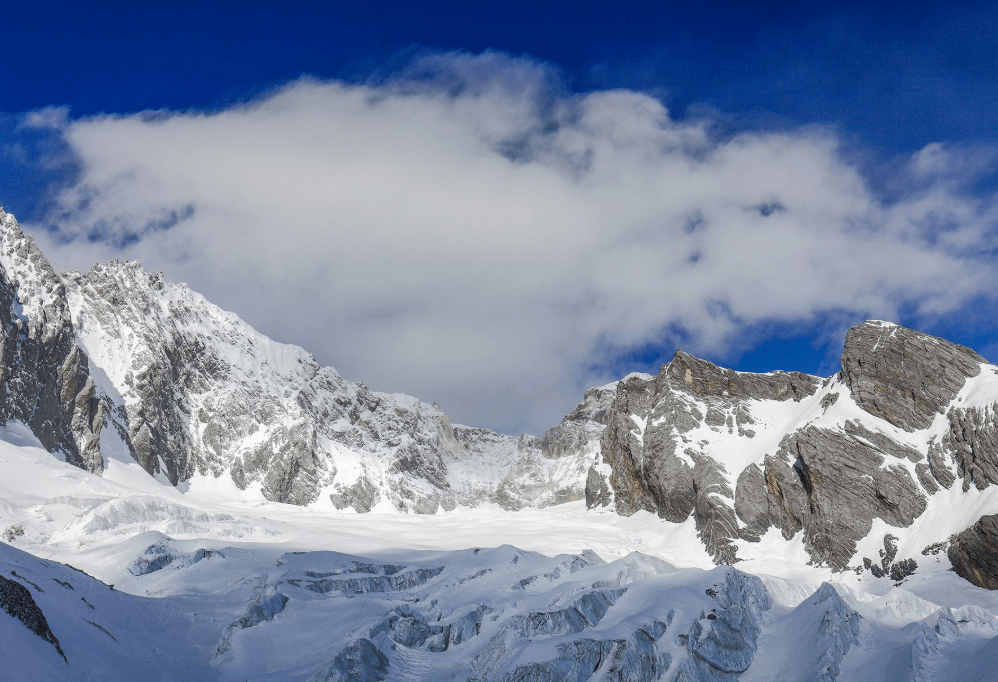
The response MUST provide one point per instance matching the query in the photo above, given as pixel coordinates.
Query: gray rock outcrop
(582, 427)
(657, 467)
(904, 376)
(974, 553)
(831, 485)
(973, 439)
(45, 377)
(16, 600)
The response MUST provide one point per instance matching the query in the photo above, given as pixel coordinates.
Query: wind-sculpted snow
(119, 365)
(117, 512)
(206, 471)
(967, 635)
(722, 643)
(254, 610)
(361, 661)
(267, 604)
(425, 619)
(375, 583)
(89, 631)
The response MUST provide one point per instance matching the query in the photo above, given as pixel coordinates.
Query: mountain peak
(40, 291)
(902, 375)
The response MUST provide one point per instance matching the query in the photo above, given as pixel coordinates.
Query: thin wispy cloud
(474, 233)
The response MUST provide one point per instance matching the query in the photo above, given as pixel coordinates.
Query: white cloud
(474, 234)
(47, 118)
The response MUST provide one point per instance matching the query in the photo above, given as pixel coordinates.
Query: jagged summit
(875, 480)
(703, 377)
(40, 291)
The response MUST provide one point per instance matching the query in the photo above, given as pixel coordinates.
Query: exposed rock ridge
(740, 453)
(974, 553)
(45, 377)
(658, 468)
(119, 362)
(206, 394)
(704, 378)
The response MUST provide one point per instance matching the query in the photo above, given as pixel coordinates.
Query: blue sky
(897, 75)
(894, 105)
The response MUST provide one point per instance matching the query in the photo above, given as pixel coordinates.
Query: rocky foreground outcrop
(740, 454)
(16, 601)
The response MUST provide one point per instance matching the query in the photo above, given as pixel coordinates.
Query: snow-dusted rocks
(661, 445)
(118, 363)
(45, 377)
(178, 432)
(214, 589)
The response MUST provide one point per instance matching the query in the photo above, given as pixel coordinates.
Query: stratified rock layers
(902, 376)
(118, 362)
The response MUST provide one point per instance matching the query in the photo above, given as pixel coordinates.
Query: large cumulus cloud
(474, 233)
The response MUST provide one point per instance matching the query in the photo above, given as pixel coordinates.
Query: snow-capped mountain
(119, 363)
(209, 479)
(865, 466)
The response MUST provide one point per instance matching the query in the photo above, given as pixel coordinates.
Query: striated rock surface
(972, 437)
(974, 553)
(656, 442)
(118, 363)
(904, 376)
(831, 485)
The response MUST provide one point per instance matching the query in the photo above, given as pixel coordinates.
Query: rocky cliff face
(45, 377)
(904, 377)
(119, 362)
(742, 454)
